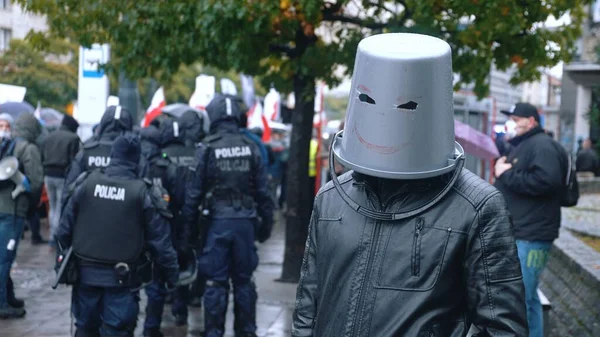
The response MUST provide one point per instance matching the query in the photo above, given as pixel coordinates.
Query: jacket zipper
(416, 255)
(368, 271)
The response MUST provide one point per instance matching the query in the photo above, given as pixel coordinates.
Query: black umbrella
(178, 109)
(16, 108)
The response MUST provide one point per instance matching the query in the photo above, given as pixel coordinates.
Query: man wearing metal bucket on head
(408, 243)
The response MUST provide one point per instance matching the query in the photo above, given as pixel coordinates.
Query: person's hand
(26, 184)
(501, 167)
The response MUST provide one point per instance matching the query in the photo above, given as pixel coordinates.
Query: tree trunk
(299, 206)
(129, 97)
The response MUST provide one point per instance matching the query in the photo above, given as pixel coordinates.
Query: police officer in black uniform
(174, 144)
(194, 126)
(96, 151)
(170, 177)
(230, 182)
(114, 222)
(179, 139)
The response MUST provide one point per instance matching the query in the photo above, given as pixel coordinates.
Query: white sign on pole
(93, 87)
(596, 11)
(11, 93)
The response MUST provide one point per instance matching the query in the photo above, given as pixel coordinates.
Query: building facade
(15, 23)
(579, 78)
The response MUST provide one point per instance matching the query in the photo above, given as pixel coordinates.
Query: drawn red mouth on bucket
(379, 148)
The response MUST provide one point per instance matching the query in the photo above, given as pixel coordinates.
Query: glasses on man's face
(4, 126)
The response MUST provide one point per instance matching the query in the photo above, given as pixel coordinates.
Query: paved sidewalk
(48, 311)
(585, 217)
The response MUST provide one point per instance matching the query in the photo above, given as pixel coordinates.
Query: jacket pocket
(414, 264)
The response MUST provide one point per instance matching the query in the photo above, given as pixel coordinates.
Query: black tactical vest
(96, 154)
(181, 155)
(233, 174)
(108, 227)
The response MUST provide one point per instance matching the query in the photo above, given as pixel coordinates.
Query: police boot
(244, 309)
(154, 313)
(86, 333)
(215, 308)
(196, 292)
(10, 295)
(153, 332)
(180, 320)
(10, 312)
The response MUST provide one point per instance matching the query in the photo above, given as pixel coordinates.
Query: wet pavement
(48, 311)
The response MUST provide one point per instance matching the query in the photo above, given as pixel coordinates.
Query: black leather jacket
(434, 274)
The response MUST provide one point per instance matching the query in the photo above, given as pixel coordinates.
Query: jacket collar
(389, 190)
(223, 126)
(119, 168)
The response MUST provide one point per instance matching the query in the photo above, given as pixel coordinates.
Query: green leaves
(50, 77)
(312, 37)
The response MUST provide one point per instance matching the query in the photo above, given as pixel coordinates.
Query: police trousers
(105, 311)
(157, 293)
(229, 253)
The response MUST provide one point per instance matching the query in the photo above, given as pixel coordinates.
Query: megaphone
(9, 170)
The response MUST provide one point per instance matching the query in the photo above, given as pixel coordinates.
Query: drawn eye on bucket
(410, 105)
(366, 98)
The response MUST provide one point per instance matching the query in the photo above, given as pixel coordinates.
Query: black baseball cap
(523, 110)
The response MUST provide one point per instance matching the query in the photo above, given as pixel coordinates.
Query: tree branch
(381, 5)
(333, 7)
(330, 15)
(356, 21)
(282, 48)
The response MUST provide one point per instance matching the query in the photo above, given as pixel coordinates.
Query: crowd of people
(188, 199)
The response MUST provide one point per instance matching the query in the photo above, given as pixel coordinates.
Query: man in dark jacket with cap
(165, 174)
(532, 179)
(96, 151)
(230, 182)
(58, 151)
(110, 219)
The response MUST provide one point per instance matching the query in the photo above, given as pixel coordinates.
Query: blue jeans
(11, 227)
(54, 188)
(533, 256)
(112, 311)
